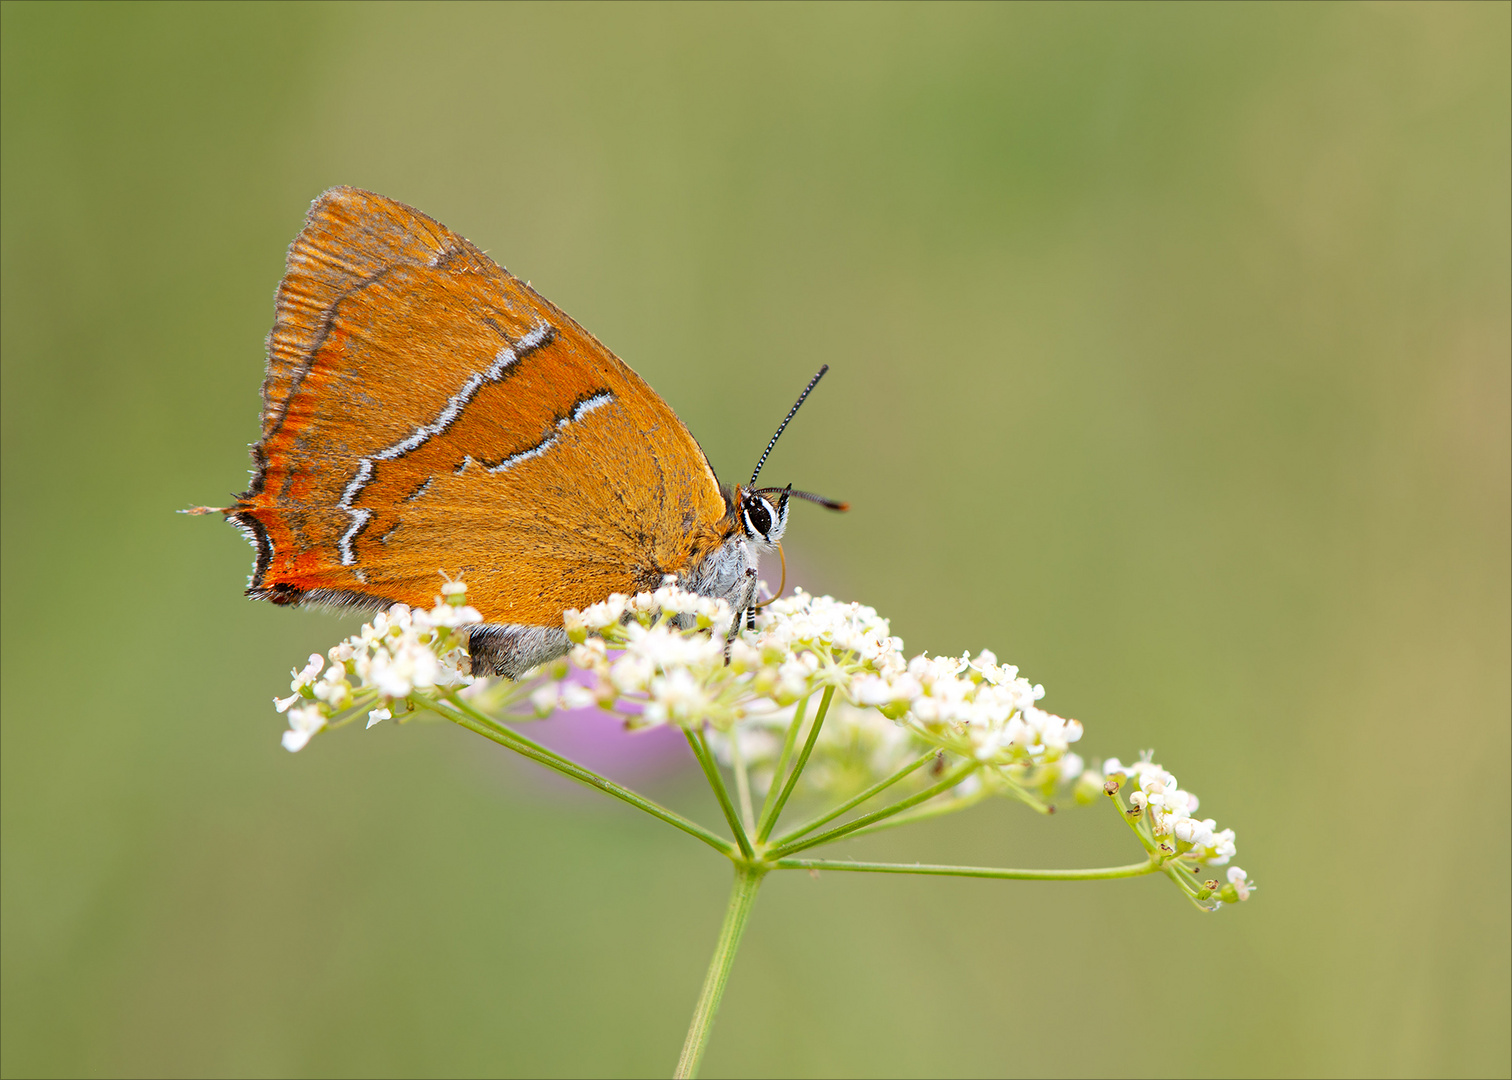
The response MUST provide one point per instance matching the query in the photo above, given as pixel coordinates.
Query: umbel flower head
(668, 657)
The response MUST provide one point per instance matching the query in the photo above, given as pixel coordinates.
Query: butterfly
(425, 410)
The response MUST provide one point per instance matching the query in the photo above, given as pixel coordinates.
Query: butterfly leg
(745, 613)
(749, 614)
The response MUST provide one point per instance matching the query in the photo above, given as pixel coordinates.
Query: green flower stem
(711, 773)
(803, 756)
(1188, 883)
(542, 754)
(876, 789)
(742, 784)
(742, 897)
(1174, 871)
(1014, 790)
(513, 740)
(1137, 824)
(766, 821)
(924, 813)
(1101, 873)
(952, 778)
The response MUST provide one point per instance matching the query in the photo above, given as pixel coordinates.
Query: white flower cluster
(688, 609)
(399, 652)
(976, 708)
(666, 674)
(678, 664)
(672, 669)
(1169, 811)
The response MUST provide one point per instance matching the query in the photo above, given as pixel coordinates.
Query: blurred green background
(1171, 361)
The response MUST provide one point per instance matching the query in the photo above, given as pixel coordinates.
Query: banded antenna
(780, 427)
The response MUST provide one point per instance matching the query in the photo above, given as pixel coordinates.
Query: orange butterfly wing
(424, 410)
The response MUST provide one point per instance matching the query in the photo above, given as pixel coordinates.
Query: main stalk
(742, 898)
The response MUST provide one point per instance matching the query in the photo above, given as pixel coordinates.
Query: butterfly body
(426, 411)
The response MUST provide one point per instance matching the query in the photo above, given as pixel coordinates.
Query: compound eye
(758, 517)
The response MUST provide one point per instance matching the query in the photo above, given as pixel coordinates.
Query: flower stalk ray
(1105, 873)
(803, 756)
(511, 739)
(770, 806)
(841, 831)
(711, 772)
(856, 800)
